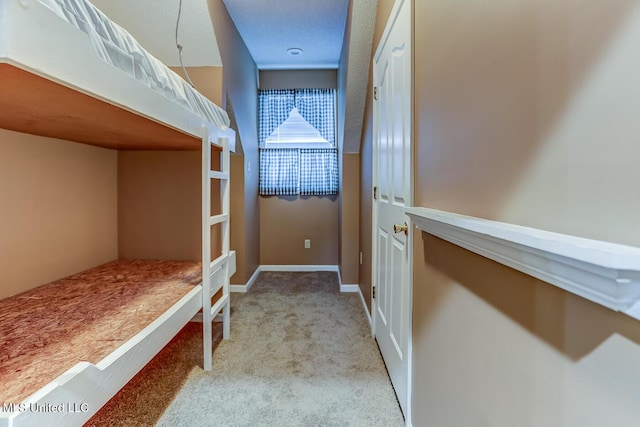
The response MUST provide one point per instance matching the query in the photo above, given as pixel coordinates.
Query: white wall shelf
(603, 272)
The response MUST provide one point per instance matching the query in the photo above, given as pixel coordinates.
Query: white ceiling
(153, 24)
(269, 28)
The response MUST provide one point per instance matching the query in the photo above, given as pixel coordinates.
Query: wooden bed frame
(35, 40)
(52, 84)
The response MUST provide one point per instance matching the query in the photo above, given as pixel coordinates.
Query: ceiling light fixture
(294, 51)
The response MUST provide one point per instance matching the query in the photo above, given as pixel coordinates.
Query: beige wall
(349, 129)
(207, 80)
(245, 211)
(524, 113)
(285, 222)
(341, 112)
(159, 208)
(240, 87)
(528, 115)
(237, 222)
(365, 201)
(252, 206)
(58, 214)
(350, 219)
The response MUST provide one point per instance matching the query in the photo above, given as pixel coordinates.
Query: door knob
(397, 228)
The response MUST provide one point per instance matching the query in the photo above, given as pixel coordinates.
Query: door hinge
(375, 93)
(375, 193)
(374, 292)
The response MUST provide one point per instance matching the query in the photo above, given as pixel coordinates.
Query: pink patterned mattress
(84, 317)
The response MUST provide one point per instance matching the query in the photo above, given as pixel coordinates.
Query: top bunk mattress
(116, 46)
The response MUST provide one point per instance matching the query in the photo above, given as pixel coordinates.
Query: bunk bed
(67, 72)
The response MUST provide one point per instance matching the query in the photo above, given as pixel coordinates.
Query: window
(298, 153)
(296, 132)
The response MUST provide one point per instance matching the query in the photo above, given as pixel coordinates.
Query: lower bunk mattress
(85, 317)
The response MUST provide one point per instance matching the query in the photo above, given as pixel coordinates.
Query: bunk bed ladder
(215, 274)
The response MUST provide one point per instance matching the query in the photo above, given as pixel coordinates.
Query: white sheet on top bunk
(116, 46)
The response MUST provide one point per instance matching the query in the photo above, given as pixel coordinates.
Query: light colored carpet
(300, 354)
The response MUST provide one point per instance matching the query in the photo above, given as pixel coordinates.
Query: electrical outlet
(307, 243)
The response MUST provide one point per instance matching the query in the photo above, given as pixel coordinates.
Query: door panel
(396, 328)
(393, 179)
(382, 278)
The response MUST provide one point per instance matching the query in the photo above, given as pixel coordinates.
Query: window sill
(602, 272)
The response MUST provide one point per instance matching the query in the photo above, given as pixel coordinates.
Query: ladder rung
(215, 287)
(217, 219)
(218, 175)
(217, 279)
(216, 263)
(215, 309)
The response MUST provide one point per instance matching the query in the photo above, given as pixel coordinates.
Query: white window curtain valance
(316, 106)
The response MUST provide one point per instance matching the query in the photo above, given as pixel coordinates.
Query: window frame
(275, 185)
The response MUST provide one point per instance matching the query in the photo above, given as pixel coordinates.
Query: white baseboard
(299, 268)
(288, 268)
(364, 306)
(349, 288)
(355, 288)
(244, 288)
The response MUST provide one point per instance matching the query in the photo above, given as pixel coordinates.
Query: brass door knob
(397, 228)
